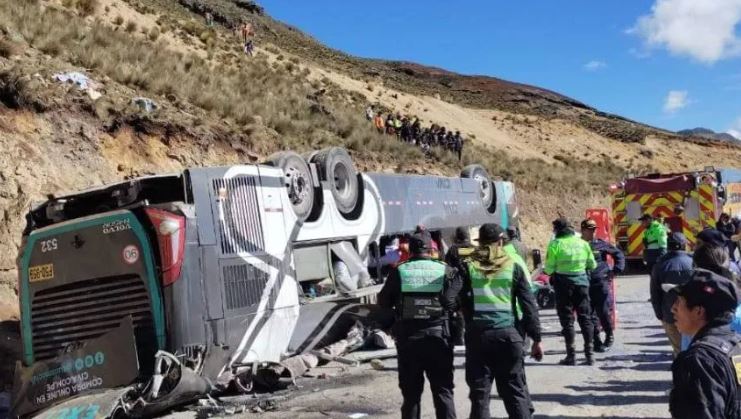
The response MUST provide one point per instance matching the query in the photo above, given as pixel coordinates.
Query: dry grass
(255, 97)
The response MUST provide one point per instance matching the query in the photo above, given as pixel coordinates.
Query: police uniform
(495, 293)
(654, 241)
(600, 286)
(422, 292)
(706, 376)
(567, 261)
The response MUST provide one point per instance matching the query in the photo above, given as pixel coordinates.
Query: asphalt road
(630, 381)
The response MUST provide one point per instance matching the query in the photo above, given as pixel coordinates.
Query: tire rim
(485, 188)
(297, 185)
(341, 177)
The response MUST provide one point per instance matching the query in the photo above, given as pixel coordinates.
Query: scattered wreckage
(144, 295)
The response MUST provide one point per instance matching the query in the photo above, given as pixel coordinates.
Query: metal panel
(311, 262)
(243, 286)
(211, 282)
(240, 228)
(437, 202)
(202, 203)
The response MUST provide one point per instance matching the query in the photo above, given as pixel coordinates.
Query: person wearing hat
(674, 268)
(712, 237)
(423, 292)
(567, 261)
(495, 294)
(706, 377)
(600, 283)
(654, 239)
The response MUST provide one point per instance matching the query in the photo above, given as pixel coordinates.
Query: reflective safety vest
(570, 256)
(512, 252)
(655, 236)
(492, 294)
(421, 284)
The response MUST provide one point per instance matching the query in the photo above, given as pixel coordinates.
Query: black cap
(717, 294)
(712, 237)
(462, 235)
(676, 241)
(491, 232)
(589, 224)
(561, 223)
(646, 217)
(420, 242)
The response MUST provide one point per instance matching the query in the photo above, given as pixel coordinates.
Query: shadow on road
(537, 416)
(599, 400)
(622, 386)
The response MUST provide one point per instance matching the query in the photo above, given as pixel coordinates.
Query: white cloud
(702, 29)
(676, 100)
(595, 65)
(735, 130)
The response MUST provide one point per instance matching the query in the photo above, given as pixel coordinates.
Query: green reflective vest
(421, 284)
(492, 294)
(655, 236)
(512, 252)
(570, 256)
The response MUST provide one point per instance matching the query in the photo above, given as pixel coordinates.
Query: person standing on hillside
(495, 292)
(379, 123)
(568, 260)
(423, 292)
(458, 145)
(654, 239)
(600, 283)
(674, 268)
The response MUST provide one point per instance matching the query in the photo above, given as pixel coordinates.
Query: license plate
(41, 272)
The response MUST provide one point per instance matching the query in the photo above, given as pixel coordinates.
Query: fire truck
(703, 194)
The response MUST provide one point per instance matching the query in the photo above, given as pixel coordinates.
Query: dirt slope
(216, 106)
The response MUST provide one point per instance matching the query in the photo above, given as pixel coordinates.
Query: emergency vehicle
(165, 286)
(703, 194)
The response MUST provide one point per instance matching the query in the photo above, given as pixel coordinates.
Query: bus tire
(337, 169)
(478, 173)
(297, 180)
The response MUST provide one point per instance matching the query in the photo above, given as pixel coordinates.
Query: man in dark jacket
(460, 248)
(673, 268)
(600, 283)
(423, 292)
(706, 376)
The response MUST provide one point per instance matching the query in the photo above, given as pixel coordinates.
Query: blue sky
(670, 63)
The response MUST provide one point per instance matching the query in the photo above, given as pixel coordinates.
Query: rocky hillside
(707, 134)
(214, 105)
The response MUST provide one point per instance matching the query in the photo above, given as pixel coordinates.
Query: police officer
(655, 238)
(495, 293)
(706, 376)
(460, 248)
(600, 283)
(567, 261)
(422, 291)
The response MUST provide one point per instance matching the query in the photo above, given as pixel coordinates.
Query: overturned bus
(163, 287)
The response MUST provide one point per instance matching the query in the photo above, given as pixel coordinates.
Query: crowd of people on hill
(409, 130)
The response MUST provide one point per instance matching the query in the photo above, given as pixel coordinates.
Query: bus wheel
(479, 174)
(297, 180)
(336, 168)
